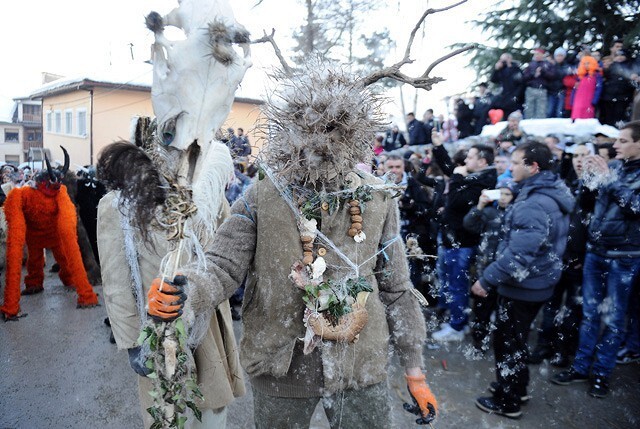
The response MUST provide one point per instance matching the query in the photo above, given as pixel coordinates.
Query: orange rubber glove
(424, 402)
(166, 305)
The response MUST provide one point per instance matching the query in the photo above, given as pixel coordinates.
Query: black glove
(137, 361)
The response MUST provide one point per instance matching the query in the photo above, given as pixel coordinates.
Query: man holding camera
(507, 74)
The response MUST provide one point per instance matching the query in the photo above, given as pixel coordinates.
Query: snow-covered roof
(138, 76)
(561, 126)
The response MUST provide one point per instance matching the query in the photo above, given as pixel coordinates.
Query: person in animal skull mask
(43, 217)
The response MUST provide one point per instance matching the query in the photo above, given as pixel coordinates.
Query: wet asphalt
(59, 370)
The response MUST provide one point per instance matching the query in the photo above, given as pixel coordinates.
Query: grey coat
(261, 239)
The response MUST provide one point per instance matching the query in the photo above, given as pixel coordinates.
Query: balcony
(32, 118)
(31, 144)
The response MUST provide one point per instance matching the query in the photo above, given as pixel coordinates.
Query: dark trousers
(510, 348)
(482, 310)
(562, 315)
(612, 112)
(362, 408)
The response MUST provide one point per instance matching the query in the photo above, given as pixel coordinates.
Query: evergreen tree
(334, 30)
(518, 26)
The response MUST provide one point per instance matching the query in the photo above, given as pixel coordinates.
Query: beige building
(11, 134)
(22, 132)
(87, 113)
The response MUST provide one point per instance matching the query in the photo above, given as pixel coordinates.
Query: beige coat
(261, 238)
(219, 374)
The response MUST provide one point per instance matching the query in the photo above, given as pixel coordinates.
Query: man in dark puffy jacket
(527, 268)
(612, 261)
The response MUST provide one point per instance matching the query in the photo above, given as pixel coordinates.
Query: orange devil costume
(44, 218)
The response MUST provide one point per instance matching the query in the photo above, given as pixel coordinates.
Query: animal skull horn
(65, 168)
(52, 176)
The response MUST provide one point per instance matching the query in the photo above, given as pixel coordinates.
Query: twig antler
(423, 81)
(392, 72)
(269, 38)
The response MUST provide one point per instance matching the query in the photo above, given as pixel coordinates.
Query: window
(82, 122)
(11, 135)
(49, 121)
(12, 159)
(32, 109)
(68, 122)
(58, 121)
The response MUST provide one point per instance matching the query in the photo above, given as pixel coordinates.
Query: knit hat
(560, 51)
(506, 183)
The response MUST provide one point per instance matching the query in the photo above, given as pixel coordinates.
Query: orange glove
(166, 305)
(424, 403)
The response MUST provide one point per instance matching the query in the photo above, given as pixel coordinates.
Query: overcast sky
(71, 37)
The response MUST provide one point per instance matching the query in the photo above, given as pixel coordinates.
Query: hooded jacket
(529, 261)
(614, 231)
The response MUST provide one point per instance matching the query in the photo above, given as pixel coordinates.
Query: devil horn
(52, 177)
(65, 168)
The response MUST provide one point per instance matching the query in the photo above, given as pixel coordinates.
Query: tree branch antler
(424, 81)
(269, 38)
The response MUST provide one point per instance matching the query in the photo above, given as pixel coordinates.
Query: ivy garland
(179, 391)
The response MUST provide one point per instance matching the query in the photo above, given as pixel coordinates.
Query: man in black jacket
(612, 261)
(527, 268)
(465, 187)
(417, 130)
(414, 208)
(507, 74)
(617, 89)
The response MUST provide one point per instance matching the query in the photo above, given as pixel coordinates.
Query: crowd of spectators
(512, 224)
(576, 84)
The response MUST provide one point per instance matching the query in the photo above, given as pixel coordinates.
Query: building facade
(86, 114)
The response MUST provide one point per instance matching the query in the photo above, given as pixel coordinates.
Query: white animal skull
(195, 79)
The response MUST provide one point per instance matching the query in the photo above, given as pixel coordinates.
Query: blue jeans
(456, 274)
(535, 104)
(610, 279)
(555, 104)
(632, 341)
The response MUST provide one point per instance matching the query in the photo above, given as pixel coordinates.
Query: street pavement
(58, 370)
